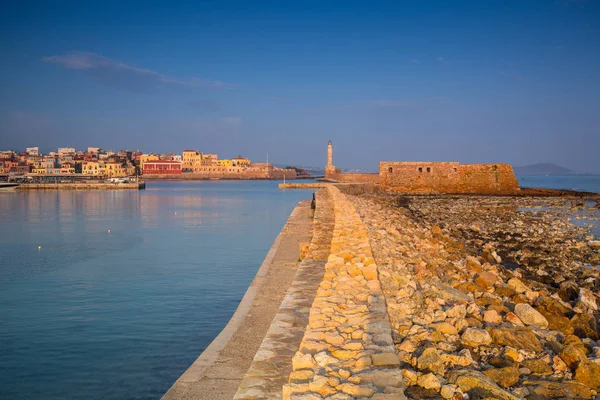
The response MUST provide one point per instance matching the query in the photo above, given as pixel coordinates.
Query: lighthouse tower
(330, 170)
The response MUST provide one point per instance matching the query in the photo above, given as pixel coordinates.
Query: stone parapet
(347, 350)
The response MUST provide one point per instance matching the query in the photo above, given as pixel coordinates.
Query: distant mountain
(543, 169)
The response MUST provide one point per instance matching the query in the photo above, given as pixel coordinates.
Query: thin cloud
(442, 60)
(128, 77)
(415, 61)
(516, 77)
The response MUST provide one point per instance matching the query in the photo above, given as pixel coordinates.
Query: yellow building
(191, 159)
(147, 157)
(225, 163)
(67, 168)
(91, 168)
(240, 161)
(113, 170)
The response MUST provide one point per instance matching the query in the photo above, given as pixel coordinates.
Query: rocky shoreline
(489, 296)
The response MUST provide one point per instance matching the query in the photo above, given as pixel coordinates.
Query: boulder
(569, 291)
(557, 322)
(429, 381)
(506, 376)
(588, 373)
(555, 390)
(538, 367)
(476, 381)
(517, 285)
(473, 337)
(519, 337)
(430, 361)
(530, 316)
(587, 299)
(585, 325)
(485, 279)
(573, 354)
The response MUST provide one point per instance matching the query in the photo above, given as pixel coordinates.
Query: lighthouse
(330, 170)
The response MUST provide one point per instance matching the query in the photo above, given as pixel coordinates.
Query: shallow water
(117, 315)
(585, 183)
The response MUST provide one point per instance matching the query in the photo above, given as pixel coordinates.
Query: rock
(385, 359)
(569, 291)
(492, 317)
(356, 390)
(530, 316)
(517, 337)
(587, 299)
(555, 390)
(573, 355)
(538, 367)
(485, 279)
(473, 337)
(430, 361)
(557, 322)
(410, 376)
(585, 325)
(468, 380)
(459, 311)
(445, 328)
(473, 264)
(517, 285)
(588, 373)
(513, 319)
(448, 391)
(302, 361)
(448, 293)
(505, 291)
(505, 376)
(429, 381)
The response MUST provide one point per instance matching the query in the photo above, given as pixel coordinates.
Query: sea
(114, 294)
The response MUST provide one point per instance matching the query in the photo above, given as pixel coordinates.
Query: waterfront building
(91, 168)
(147, 157)
(33, 151)
(113, 170)
(62, 151)
(67, 168)
(225, 163)
(240, 161)
(162, 167)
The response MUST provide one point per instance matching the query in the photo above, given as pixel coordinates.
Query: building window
(390, 170)
(454, 169)
(428, 169)
(420, 169)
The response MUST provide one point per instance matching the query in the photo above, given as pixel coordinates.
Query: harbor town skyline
(514, 82)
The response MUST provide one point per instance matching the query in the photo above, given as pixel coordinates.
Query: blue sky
(471, 81)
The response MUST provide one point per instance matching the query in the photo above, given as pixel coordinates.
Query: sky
(471, 81)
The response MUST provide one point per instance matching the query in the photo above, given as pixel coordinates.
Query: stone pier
(340, 347)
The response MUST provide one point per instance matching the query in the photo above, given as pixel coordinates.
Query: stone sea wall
(347, 350)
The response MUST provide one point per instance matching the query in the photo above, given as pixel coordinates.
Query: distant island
(543, 169)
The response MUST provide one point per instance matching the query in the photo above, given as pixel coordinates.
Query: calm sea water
(120, 315)
(586, 183)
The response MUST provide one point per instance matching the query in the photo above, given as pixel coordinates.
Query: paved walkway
(219, 370)
(347, 351)
(273, 362)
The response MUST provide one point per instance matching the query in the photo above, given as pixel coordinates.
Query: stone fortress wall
(448, 177)
(433, 177)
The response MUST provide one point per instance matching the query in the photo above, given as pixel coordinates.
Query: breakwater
(302, 185)
(408, 308)
(82, 186)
